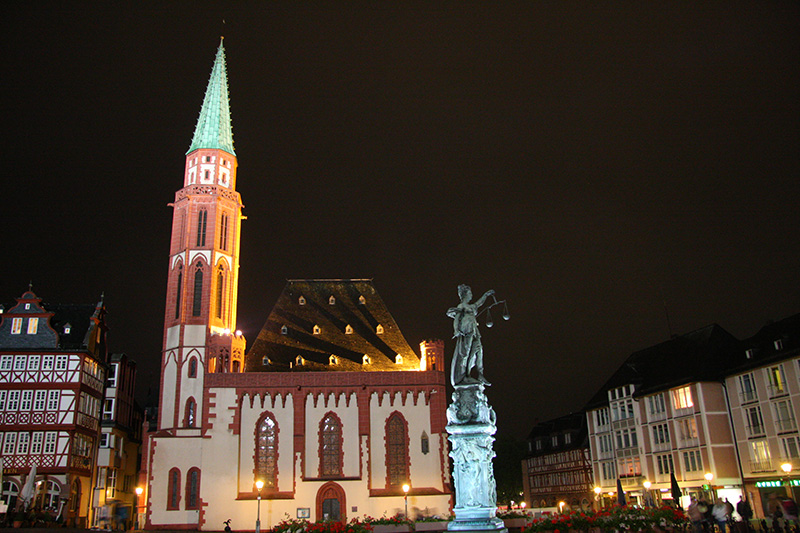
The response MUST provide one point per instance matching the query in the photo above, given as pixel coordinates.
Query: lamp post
(561, 507)
(138, 491)
(598, 498)
(259, 486)
(709, 476)
(406, 488)
(787, 469)
(647, 486)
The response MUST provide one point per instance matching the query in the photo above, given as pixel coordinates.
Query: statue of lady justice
(468, 355)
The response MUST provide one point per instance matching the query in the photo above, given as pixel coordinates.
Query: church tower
(200, 333)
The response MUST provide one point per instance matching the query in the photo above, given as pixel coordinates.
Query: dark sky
(593, 162)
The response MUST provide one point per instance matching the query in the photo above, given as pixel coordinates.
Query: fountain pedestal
(471, 428)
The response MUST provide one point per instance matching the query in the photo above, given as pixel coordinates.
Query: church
(329, 415)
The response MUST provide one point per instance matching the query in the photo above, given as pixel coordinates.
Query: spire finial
(30, 285)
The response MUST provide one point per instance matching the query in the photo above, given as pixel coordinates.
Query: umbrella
(675, 489)
(27, 490)
(620, 492)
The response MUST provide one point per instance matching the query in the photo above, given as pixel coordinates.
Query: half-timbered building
(52, 373)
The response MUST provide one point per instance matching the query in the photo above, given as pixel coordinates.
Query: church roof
(330, 325)
(213, 128)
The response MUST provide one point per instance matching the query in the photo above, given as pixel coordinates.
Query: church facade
(331, 410)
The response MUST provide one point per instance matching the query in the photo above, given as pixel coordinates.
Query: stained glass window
(267, 451)
(396, 451)
(331, 446)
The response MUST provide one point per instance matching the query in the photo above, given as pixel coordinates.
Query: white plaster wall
(350, 445)
(191, 386)
(169, 391)
(168, 453)
(194, 335)
(173, 336)
(284, 416)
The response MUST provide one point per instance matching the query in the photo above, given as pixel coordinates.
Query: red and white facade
(52, 374)
(333, 433)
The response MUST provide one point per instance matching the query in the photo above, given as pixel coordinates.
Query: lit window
(317, 330)
(330, 442)
(16, 326)
(398, 359)
(777, 380)
(301, 301)
(33, 326)
(333, 360)
(284, 330)
(682, 398)
(331, 300)
(366, 360)
(267, 451)
(379, 330)
(299, 361)
(67, 329)
(348, 330)
(362, 300)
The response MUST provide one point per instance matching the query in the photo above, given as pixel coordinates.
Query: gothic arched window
(330, 446)
(197, 297)
(173, 489)
(396, 451)
(178, 292)
(193, 488)
(267, 451)
(191, 412)
(220, 289)
(202, 219)
(193, 367)
(223, 232)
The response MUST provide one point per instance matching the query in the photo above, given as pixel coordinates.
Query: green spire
(214, 125)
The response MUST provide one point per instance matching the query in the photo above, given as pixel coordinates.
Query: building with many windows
(763, 387)
(558, 467)
(331, 410)
(52, 373)
(664, 412)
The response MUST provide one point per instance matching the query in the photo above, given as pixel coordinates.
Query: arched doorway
(331, 504)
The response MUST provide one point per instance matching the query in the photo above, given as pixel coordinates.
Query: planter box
(391, 528)
(515, 523)
(431, 526)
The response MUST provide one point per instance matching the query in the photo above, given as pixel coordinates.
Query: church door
(331, 503)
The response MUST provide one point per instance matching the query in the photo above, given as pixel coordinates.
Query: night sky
(618, 171)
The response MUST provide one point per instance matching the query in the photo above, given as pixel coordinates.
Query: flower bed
(614, 518)
(292, 525)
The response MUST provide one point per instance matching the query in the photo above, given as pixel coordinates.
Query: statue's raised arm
(468, 355)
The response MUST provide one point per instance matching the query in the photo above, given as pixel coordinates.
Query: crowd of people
(704, 516)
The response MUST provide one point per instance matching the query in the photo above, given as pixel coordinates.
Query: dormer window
(398, 359)
(33, 326)
(266, 361)
(301, 300)
(348, 329)
(333, 360)
(317, 330)
(299, 361)
(379, 330)
(67, 328)
(778, 345)
(27, 306)
(331, 300)
(284, 330)
(366, 360)
(749, 353)
(362, 300)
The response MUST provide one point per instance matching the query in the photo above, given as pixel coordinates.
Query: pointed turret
(213, 128)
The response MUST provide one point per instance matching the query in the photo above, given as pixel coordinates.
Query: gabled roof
(213, 128)
(573, 424)
(774, 342)
(61, 326)
(315, 319)
(701, 355)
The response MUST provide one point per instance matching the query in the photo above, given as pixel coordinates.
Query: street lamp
(259, 486)
(138, 491)
(709, 476)
(787, 469)
(406, 488)
(647, 486)
(561, 507)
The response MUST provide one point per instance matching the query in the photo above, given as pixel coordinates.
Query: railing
(662, 447)
(787, 424)
(776, 390)
(755, 430)
(761, 466)
(748, 396)
(691, 442)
